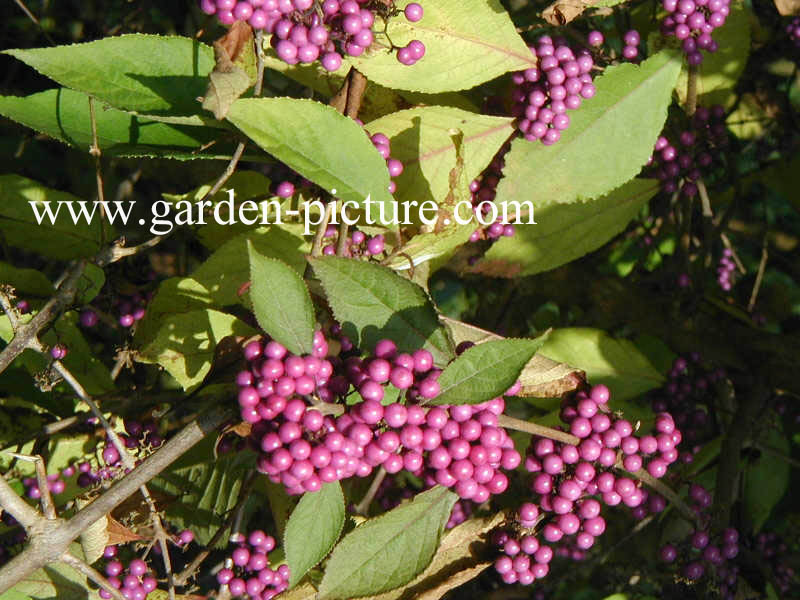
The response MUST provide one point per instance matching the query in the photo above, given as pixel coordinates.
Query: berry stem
(80, 566)
(362, 507)
(691, 90)
(666, 491)
(534, 429)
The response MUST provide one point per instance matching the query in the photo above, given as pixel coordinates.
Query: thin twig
(362, 507)
(128, 463)
(80, 566)
(341, 243)
(95, 151)
(727, 243)
(668, 493)
(36, 22)
(8, 307)
(319, 235)
(244, 495)
(691, 90)
(30, 330)
(540, 430)
(762, 265)
(46, 500)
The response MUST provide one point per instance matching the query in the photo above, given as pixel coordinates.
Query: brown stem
(80, 566)
(762, 266)
(29, 332)
(362, 507)
(540, 430)
(691, 90)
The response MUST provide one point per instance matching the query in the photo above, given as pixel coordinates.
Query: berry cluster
(484, 190)
(304, 31)
(725, 270)
(702, 552)
(134, 580)
(687, 396)
(247, 571)
(543, 94)
(692, 22)
(774, 549)
(679, 166)
(132, 309)
(566, 478)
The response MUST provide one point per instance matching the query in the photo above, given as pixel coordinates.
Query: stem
(80, 566)
(691, 90)
(540, 430)
(16, 506)
(362, 507)
(762, 266)
(319, 235)
(341, 242)
(95, 151)
(48, 508)
(668, 493)
(30, 331)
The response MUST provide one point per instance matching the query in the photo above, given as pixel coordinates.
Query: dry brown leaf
(118, 533)
(788, 7)
(562, 12)
(234, 69)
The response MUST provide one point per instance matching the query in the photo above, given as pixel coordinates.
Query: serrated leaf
(207, 488)
(485, 371)
(319, 143)
(466, 42)
(565, 232)
(388, 551)
(601, 150)
(228, 268)
(617, 363)
(185, 343)
(19, 226)
(372, 302)
(144, 73)
(541, 377)
(720, 71)
(422, 139)
(281, 302)
(425, 247)
(315, 525)
(63, 114)
(766, 480)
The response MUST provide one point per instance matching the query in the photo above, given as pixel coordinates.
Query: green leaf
(315, 525)
(26, 282)
(766, 479)
(485, 371)
(281, 302)
(616, 363)
(422, 138)
(176, 295)
(144, 73)
(564, 232)
(185, 343)
(609, 139)
(541, 377)
(321, 144)
(19, 226)
(206, 489)
(720, 71)
(63, 114)
(90, 284)
(232, 75)
(425, 247)
(389, 551)
(372, 302)
(224, 272)
(466, 42)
